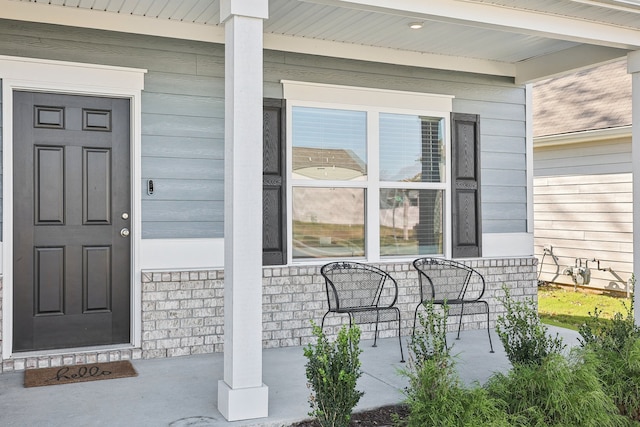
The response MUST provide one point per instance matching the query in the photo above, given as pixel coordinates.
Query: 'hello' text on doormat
(78, 373)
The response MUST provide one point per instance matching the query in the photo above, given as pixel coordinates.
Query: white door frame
(76, 79)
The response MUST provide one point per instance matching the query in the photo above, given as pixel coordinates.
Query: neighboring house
(151, 163)
(582, 178)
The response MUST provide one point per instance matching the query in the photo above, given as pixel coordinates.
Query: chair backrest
(351, 285)
(442, 279)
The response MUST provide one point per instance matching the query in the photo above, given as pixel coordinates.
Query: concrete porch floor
(182, 391)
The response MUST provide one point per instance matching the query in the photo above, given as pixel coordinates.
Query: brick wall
(183, 313)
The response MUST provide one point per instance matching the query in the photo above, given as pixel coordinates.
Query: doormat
(78, 373)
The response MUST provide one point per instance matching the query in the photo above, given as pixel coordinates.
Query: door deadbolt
(124, 232)
(125, 215)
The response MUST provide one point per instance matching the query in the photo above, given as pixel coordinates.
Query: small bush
(435, 395)
(523, 335)
(610, 335)
(616, 346)
(332, 372)
(437, 398)
(557, 392)
(429, 340)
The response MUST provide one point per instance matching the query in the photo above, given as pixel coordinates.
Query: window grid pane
(328, 222)
(411, 148)
(329, 144)
(411, 222)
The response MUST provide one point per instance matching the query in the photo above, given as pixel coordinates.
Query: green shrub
(435, 395)
(429, 340)
(332, 372)
(558, 392)
(610, 335)
(616, 346)
(524, 337)
(437, 398)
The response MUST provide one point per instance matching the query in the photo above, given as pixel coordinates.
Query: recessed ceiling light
(416, 25)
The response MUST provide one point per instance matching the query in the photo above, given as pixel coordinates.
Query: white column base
(243, 403)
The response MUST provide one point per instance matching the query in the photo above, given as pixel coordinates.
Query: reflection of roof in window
(305, 157)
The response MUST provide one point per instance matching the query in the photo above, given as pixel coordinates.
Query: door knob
(124, 232)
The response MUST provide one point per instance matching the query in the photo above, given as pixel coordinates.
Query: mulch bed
(380, 417)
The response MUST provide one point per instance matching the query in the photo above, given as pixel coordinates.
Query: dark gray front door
(71, 250)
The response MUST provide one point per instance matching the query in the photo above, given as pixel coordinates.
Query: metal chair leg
(460, 322)
(375, 337)
(400, 337)
(488, 329)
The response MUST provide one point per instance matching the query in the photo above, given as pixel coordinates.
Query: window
(366, 181)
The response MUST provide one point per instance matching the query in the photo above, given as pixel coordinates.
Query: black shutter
(274, 249)
(467, 224)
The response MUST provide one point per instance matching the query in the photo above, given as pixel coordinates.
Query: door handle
(124, 232)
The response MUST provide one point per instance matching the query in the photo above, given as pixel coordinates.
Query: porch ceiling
(524, 39)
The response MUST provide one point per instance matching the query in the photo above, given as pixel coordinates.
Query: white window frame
(373, 102)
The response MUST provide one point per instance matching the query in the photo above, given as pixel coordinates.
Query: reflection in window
(329, 144)
(328, 222)
(411, 222)
(411, 148)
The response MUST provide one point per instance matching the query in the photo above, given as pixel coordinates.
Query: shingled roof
(595, 98)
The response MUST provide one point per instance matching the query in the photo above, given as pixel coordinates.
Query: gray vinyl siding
(183, 117)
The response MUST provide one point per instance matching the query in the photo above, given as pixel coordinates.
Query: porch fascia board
(388, 56)
(568, 60)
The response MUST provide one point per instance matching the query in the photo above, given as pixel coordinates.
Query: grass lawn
(564, 307)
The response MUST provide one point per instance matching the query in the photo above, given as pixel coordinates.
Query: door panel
(71, 186)
(96, 186)
(49, 185)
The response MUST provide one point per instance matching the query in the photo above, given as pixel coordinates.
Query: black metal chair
(363, 292)
(453, 283)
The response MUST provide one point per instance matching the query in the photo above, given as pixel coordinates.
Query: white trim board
(72, 78)
(507, 245)
(181, 254)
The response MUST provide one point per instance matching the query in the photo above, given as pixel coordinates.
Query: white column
(241, 394)
(633, 67)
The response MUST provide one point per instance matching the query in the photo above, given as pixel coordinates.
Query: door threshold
(74, 350)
